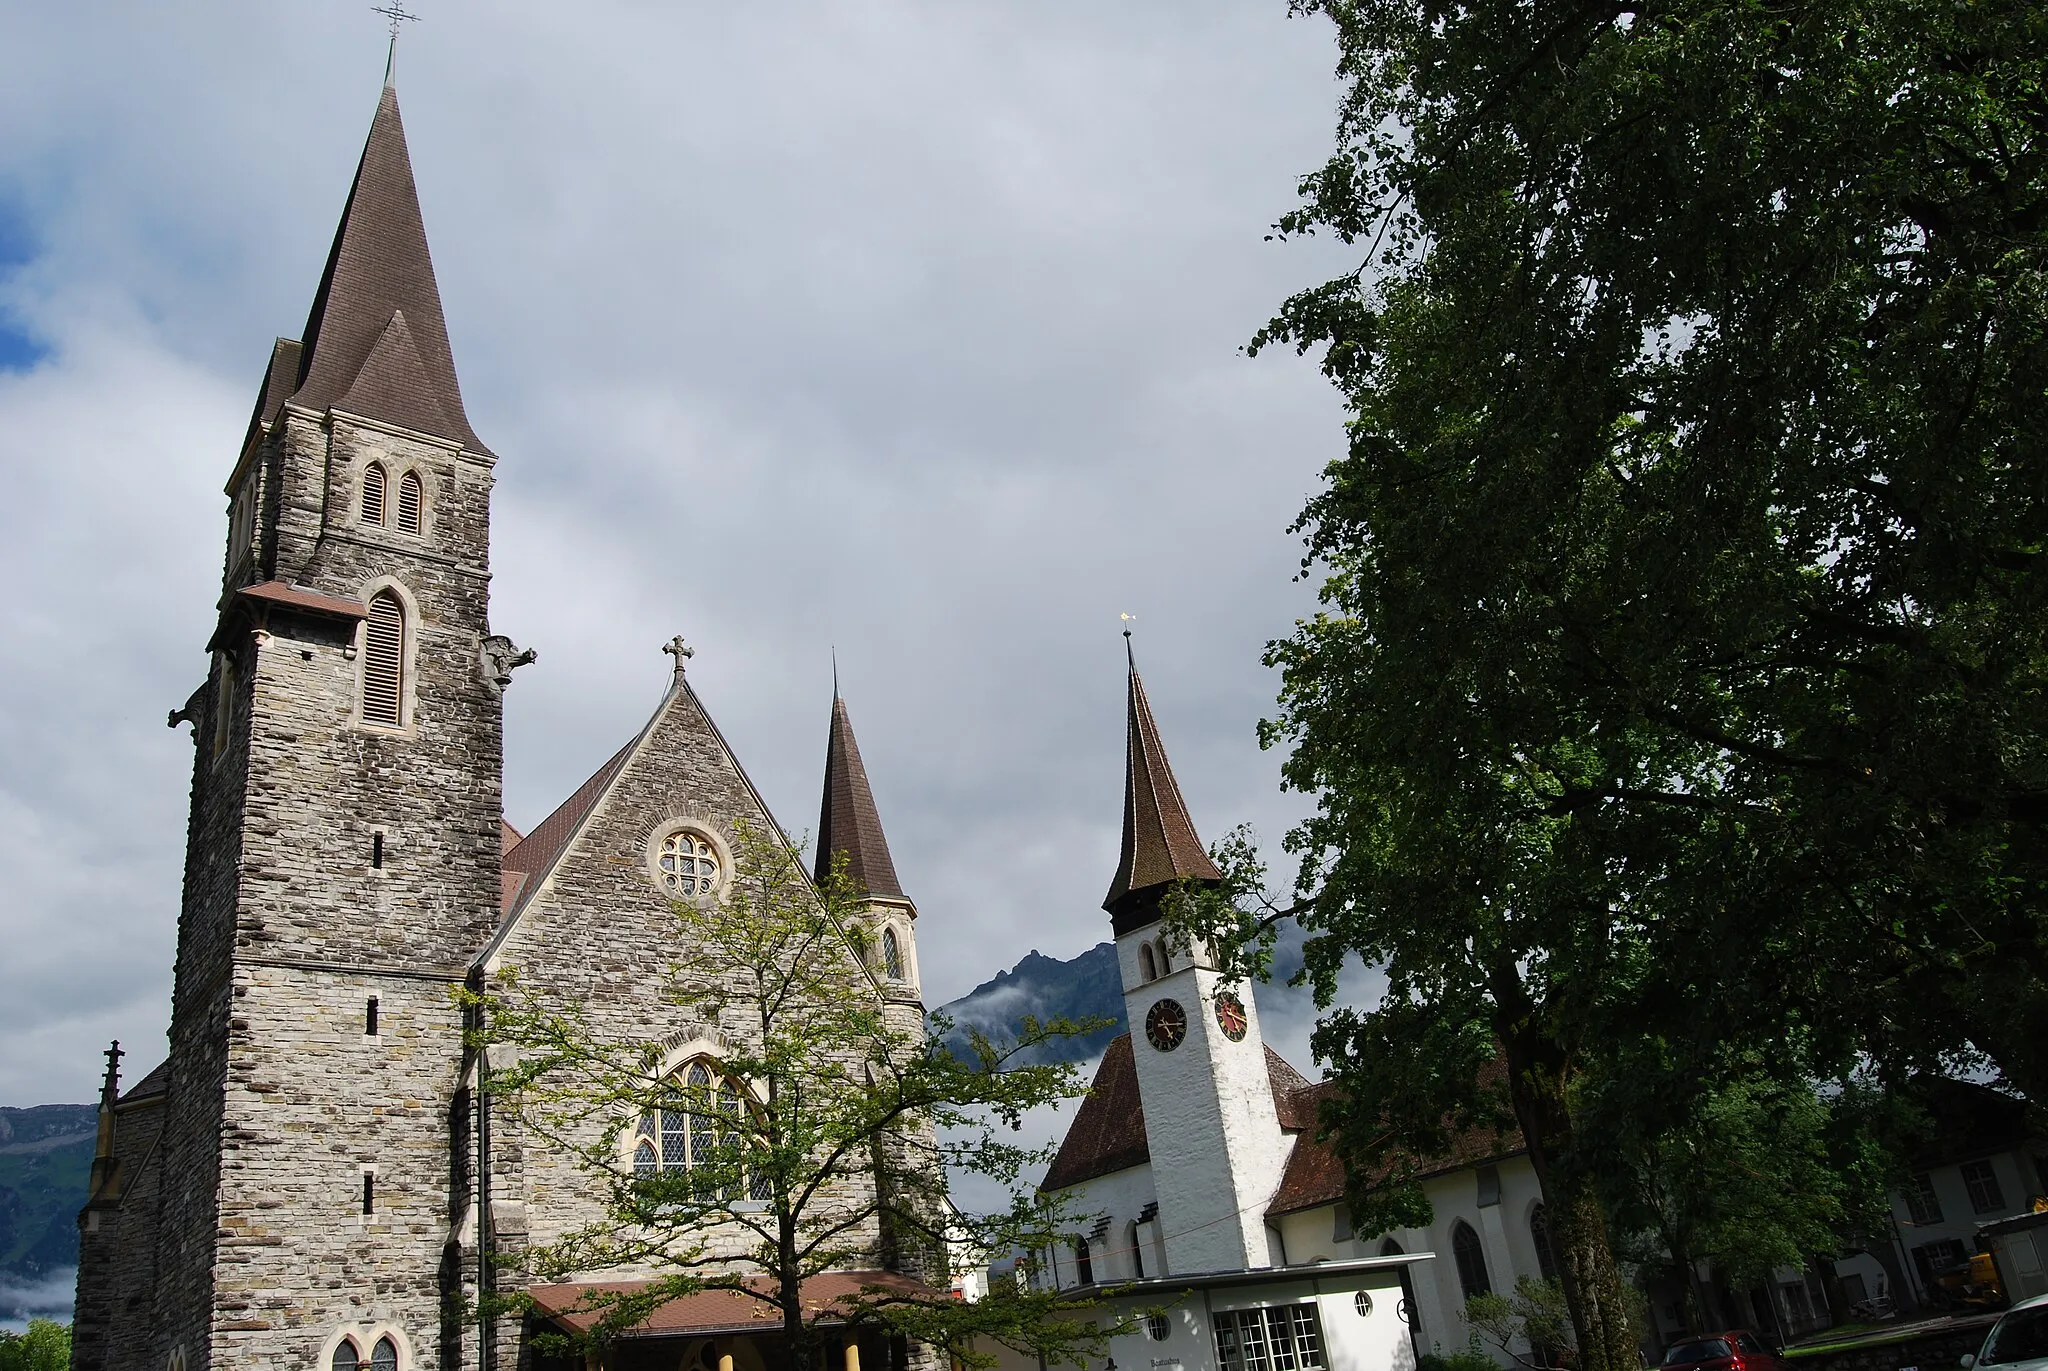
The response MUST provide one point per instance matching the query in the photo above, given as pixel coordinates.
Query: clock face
(1230, 1016)
(1166, 1023)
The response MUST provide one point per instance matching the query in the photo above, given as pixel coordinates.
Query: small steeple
(848, 821)
(376, 343)
(1160, 843)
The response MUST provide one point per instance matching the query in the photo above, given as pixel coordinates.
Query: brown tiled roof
(1315, 1176)
(280, 378)
(393, 384)
(157, 1082)
(826, 1297)
(1160, 844)
(533, 856)
(291, 597)
(358, 354)
(508, 836)
(1108, 1132)
(847, 819)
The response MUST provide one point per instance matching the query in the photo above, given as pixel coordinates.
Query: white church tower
(1217, 1148)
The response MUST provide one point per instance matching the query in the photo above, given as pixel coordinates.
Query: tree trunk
(1593, 1288)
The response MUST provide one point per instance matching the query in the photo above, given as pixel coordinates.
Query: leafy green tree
(1535, 1317)
(46, 1346)
(1681, 662)
(1764, 1172)
(823, 1144)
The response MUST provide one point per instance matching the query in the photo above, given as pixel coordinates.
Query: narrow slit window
(370, 1017)
(1148, 969)
(369, 1193)
(384, 661)
(892, 955)
(373, 494)
(377, 851)
(1084, 1261)
(411, 495)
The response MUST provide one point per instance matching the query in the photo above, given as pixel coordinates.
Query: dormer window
(373, 494)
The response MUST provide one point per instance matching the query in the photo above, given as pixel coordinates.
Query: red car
(1738, 1349)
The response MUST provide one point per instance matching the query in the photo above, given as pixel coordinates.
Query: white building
(1195, 1162)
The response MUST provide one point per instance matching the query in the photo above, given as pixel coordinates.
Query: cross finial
(398, 14)
(680, 650)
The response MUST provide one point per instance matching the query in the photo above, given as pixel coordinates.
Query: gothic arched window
(1539, 1233)
(373, 494)
(1471, 1260)
(1084, 1263)
(1137, 1251)
(411, 496)
(347, 1357)
(701, 1125)
(384, 1356)
(1148, 969)
(892, 955)
(384, 661)
(1390, 1248)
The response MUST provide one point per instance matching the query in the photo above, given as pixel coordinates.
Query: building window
(701, 1126)
(1084, 1262)
(1471, 1260)
(1137, 1255)
(373, 494)
(1148, 968)
(1922, 1205)
(347, 1357)
(1157, 1328)
(411, 496)
(687, 864)
(1539, 1234)
(384, 661)
(1982, 1183)
(384, 1356)
(1284, 1338)
(892, 955)
(224, 705)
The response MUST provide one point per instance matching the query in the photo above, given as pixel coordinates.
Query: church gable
(651, 825)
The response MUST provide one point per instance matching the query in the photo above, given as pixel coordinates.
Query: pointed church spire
(376, 343)
(848, 821)
(1160, 843)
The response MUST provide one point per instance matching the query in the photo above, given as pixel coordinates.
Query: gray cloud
(906, 328)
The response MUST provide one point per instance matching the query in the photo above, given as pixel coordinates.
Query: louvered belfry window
(373, 494)
(410, 496)
(384, 661)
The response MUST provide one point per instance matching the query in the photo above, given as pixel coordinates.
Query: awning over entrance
(826, 1300)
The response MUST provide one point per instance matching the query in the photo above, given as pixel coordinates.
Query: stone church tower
(318, 1176)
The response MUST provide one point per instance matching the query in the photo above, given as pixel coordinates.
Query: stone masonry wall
(117, 1250)
(600, 935)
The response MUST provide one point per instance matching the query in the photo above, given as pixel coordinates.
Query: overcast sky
(909, 328)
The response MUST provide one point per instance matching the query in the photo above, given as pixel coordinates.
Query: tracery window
(702, 1126)
(1471, 1260)
(688, 864)
(384, 1356)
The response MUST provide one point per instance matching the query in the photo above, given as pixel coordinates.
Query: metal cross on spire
(398, 14)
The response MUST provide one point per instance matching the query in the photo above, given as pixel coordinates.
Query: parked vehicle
(2019, 1340)
(1973, 1284)
(1738, 1349)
